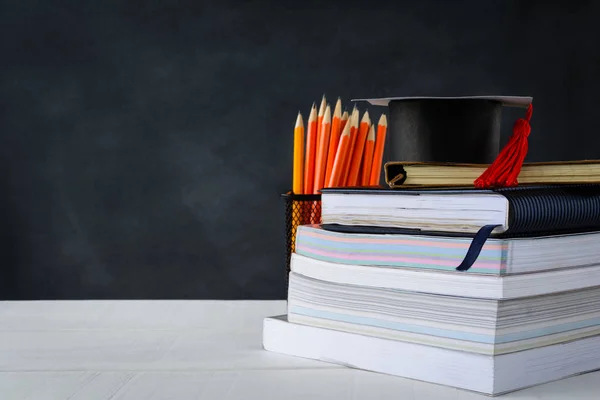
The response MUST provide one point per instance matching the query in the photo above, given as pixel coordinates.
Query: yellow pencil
(298, 183)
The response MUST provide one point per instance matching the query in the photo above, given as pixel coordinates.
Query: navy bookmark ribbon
(475, 248)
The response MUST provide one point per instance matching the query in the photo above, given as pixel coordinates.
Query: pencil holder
(300, 209)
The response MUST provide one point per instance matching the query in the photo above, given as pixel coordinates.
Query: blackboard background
(144, 144)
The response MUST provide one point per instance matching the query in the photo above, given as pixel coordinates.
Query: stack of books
(484, 290)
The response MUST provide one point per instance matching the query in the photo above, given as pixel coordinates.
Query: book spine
(556, 210)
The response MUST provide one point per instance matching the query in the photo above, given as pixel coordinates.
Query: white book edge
(469, 371)
(449, 282)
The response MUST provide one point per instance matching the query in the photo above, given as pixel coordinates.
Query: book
(452, 283)
(498, 256)
(515, 211)
(485, 326)
(490, 375)
(400, 174)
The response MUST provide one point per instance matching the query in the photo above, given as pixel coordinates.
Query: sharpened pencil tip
(382, 120)
(327, 115)
(299, 122)
(313, 114)
(371, 135)
(354, 118)
(366, 119)
(346, 130)
(337, 111)
(322, 106)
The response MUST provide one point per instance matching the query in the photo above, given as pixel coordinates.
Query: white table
(117, 350)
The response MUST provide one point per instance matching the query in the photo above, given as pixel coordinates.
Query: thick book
(490, 375)
(475, 325)
(506, 212)
(483, 286)
(516, 211)
(498, 256)
(401, 174)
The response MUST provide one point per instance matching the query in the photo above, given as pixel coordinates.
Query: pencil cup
(300, 209)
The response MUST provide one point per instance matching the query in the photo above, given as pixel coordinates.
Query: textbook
(486, 326)
(491, 375)
(450, 283)
(514, 211)
(498, 256)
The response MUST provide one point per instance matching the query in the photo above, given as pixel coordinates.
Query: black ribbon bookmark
(475, 248)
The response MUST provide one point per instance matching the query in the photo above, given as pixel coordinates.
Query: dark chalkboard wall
(144, 144)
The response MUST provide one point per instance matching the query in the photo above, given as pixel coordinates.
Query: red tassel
(506, 167)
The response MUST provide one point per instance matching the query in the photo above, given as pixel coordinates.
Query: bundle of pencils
(338, 149)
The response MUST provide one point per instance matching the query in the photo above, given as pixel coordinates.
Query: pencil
(311, 147)
(357, 150)
(343, 120)
(339, 163)
(353, 122)
(320, 119)
(322, 150)
(368, 157)
(378, 152)
(334, 139)
(298, 182)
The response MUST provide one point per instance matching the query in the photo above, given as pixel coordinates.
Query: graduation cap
(458, 130)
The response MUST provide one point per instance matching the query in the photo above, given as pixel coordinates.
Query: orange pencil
(353, 122)
(360, 171)
(343, 121)
(357, 150)
(322, 150)
(298, 182)
(339, 163)
(320, 119)
(368, 157)
(378, 152)
(334, 139)
(311, 148)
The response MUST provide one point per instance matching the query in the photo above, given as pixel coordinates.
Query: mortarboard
(458, 130)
